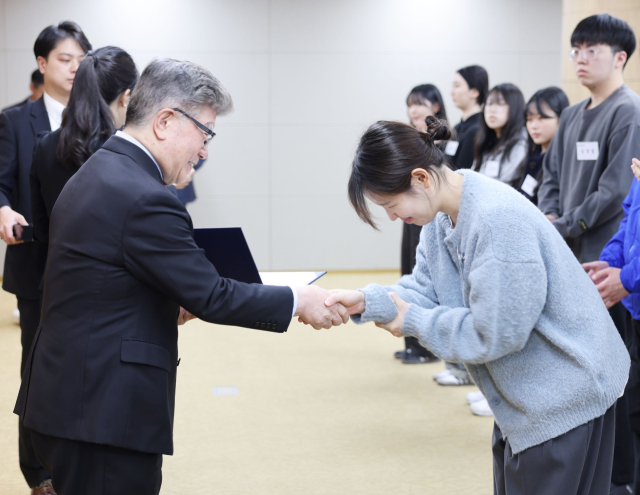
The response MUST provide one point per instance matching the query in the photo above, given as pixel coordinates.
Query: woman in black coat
(97, 107)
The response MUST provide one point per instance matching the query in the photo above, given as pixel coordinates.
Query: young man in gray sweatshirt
(586, 171)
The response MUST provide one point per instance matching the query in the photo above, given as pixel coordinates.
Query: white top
(54, 111)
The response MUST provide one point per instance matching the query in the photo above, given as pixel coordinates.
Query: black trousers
(80, 468)
(30, 466)
(629, 458)
(410, 241)
(576, 463)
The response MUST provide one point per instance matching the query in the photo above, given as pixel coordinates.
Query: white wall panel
(307, 79)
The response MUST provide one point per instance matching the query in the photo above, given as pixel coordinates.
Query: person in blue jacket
(617, 277)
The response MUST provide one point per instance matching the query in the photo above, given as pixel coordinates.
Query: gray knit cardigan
(503, 294)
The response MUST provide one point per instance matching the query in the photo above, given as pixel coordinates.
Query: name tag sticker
(529, 185)
(451, 148)
(587, 150)
(492, 168)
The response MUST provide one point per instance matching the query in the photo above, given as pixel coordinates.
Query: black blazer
(466, 131)
(47, 178)
(24, 263)
(121, 261)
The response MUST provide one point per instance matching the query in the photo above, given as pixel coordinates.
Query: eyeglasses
(202, 127)
(587, 53)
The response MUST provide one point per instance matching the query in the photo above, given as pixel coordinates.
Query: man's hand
(184, 316)
(551, 218)
(635, 166)
(593, 267)
(352, 300)
(9, 218)
(312, 310)
(394, 327)
(609, 286)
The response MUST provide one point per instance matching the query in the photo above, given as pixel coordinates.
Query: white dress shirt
(54, 111)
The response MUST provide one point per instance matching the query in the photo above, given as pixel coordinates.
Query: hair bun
(437, 129)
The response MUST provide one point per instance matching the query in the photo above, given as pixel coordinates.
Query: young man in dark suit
(98, 392)
(58, 50)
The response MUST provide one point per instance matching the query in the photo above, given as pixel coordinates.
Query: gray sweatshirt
(496, 166)
(502, 293)
(586, 194)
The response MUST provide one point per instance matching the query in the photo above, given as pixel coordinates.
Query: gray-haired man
(99, 387)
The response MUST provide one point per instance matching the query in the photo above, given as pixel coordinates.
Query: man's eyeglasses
(202, 127)
(587, 53)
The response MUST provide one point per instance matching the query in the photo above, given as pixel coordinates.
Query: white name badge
(587, 150)
(492, 168)
(529, 185)
(451, 148)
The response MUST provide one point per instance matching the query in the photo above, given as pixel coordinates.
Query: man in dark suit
(99, 387)
(58, 50)
(36, 87)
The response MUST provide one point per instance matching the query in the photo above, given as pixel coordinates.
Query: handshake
(322, 308)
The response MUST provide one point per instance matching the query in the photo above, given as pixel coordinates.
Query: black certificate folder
(228, 251)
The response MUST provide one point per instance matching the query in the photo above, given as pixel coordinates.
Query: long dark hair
(477, 78)
(88, 121)
(427, 92)
(387, 154)
(557, 101)
(487, 140)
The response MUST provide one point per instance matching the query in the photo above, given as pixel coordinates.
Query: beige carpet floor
(318, 413)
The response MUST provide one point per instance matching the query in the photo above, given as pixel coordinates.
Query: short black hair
(607, 30)
(37, 78)
(50, 36)
(477, 78)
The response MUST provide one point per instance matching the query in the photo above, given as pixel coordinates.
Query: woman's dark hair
(554, 98)
(487, 140)
(427, 92)
(50, 36)
(387, 154)
(88, 121)
(607, 30)
(477, 78)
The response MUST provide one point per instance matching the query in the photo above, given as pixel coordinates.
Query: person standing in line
(423, 101)
(59, 49)
(586, 169)
(496, 288)
(617, 277)
(97, 107)
(469, 90)
(542, 117)
(501, 143)
(36, 86)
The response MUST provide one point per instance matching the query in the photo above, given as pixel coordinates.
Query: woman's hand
(353, 300)
(635, 166)
(394, 327)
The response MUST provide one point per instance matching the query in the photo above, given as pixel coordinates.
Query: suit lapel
(39, 117)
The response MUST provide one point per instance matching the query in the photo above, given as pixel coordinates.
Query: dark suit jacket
(19, 104)
(24, 263)
(121, 261)
(47, 179)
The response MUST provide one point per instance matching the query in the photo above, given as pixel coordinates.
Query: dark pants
(80, 468)
(31, 468)
(410, 241)
(624, 458)
(576, 463)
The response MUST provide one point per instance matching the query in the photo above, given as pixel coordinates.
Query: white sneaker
(481, 408)
(442, 374)
(15, 316)
(452, 380)
(473, 397)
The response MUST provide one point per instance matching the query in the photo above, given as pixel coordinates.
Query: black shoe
(400, 354)
(620, 490)
(415, 359)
